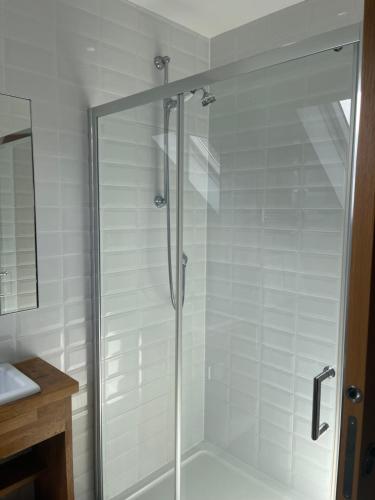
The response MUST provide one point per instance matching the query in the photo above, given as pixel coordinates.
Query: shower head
(161, 61)
(171, 103)
(206, 98)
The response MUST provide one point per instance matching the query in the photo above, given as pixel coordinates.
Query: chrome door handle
(317, 429)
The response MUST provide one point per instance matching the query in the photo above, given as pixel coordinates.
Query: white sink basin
(14, 384)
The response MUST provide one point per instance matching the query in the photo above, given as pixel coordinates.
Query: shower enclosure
(213, 398)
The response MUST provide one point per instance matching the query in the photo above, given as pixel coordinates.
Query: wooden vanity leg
(57, 481)
(69, 450)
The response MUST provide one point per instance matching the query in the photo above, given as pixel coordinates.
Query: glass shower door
(137, 320)
(267, 184)
(265, 192)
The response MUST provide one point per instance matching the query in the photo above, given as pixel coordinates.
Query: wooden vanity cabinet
(36, 435)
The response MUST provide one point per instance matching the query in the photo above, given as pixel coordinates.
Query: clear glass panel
(266, 208)
(137, 318)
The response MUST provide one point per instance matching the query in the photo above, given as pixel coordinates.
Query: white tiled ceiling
(212, 17)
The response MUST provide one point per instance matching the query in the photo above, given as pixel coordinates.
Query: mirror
(18, 263)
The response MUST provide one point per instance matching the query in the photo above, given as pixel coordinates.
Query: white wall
(293, 24)
(66, 56)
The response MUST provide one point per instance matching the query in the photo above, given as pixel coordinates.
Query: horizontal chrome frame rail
(310, 46)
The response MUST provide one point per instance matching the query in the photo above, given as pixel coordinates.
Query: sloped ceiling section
(213, 17)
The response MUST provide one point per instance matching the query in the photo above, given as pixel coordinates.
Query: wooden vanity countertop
(55, 385)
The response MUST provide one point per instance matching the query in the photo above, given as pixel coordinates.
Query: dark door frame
(360, 341)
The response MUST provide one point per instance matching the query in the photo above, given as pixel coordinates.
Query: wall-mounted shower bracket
(161, 63)
(159, 201)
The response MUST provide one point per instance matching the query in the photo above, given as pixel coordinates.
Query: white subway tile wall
(67, 55)
(275, 246)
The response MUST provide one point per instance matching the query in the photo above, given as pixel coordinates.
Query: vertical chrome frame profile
(179, 291)
(314, 45)
(96, 294)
